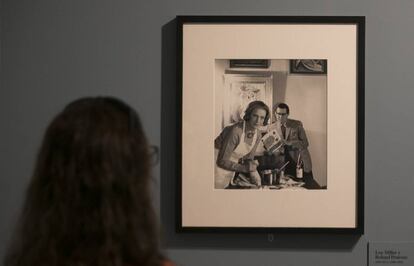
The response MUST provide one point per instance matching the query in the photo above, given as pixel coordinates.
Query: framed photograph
(308, 66)
(269, 139)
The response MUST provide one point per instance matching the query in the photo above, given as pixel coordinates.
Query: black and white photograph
(270, 125)
(270, 119)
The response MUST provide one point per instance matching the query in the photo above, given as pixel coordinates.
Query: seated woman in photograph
(88, 202)
(237, 145)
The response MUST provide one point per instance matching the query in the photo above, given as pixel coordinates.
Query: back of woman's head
(88, 202)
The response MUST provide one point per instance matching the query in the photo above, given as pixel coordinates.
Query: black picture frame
(359, 22)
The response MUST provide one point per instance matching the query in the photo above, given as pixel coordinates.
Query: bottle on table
(299, 169)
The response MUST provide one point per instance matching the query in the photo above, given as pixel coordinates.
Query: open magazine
(272, 140)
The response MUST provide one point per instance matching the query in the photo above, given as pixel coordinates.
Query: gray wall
(53, 51)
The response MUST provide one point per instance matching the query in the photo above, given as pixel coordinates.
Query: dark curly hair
(254, 105)
(88, 202)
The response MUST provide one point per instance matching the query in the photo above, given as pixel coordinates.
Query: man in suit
(295, 144)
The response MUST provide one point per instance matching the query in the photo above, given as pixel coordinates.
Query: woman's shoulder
(229, 132)
(234, 131)
(236, 127)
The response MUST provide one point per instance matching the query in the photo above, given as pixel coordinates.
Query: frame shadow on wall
(168, 181)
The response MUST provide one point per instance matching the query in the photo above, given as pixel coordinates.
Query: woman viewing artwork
(237, 144)
(89, 201)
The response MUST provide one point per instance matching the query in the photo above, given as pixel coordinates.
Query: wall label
(391, 253)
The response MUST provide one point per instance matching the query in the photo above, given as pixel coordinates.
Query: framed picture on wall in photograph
(271, 124)
(308, 66)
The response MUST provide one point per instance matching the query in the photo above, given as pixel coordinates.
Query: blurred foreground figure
(88, 202)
